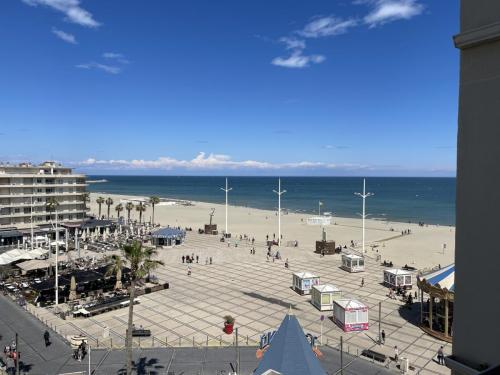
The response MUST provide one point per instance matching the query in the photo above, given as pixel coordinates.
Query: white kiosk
(304, 281)
(350, 315)
(322, 296)
(353, 263)
(396, 277)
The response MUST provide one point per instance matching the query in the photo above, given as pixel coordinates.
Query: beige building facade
(25, 190)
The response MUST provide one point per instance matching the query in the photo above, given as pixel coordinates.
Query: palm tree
(140, 262)
(109, 202)
(141, 207)
(99, 201)
(51, 203)
(129, 207)
(116, 267)
(154, 201)
(85, 198)
(118, 209)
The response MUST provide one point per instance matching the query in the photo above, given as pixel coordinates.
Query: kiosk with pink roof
(350, 315)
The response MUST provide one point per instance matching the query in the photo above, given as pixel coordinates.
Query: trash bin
(404, 365)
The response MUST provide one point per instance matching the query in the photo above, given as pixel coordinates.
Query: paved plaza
(258, 293)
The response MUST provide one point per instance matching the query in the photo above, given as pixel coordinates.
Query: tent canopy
(35, 264)
(442, 278)
(289, 352)
(168, 233)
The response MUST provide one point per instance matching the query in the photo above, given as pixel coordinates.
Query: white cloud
(293, 43)
(209, 162)
(69, 38)
(327, 26)
(105, 68)
(70, 8)
(298, 60)
(385, 11)
(118, 57)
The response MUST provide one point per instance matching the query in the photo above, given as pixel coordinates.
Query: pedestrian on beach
(440, 356)
(197, 258)
(362, 281)
(210, 260)
(396, 353)
(183, 258)
(382, 337)
(189, 270)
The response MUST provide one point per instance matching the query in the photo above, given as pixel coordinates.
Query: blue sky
(366, 87)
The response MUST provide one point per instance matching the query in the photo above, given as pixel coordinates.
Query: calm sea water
(431, 200)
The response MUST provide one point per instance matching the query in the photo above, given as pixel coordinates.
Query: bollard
(166, 341)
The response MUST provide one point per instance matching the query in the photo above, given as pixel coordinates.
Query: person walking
(197, 258)
(396, 353)
(46, 337)
(183, 258)
(382, 337)
(362, 281)
(440, 356)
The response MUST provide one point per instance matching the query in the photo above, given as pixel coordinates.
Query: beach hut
(353, 263)
(350, 315)
(322, 296)
(395, 277)
(304, 281)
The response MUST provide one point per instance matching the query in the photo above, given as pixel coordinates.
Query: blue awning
(168, 233)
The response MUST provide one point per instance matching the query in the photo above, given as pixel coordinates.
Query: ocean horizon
(417, 199)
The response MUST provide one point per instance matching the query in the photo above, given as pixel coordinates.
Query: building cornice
(478, 36)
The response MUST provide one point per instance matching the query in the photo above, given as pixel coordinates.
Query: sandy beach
(421, 249)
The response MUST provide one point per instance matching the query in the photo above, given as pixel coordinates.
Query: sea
(405, 199)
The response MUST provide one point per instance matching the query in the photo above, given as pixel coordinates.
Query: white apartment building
(25, 189)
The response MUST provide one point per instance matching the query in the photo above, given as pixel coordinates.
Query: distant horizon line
(256, 176)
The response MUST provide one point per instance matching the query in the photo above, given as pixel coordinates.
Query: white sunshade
(397, 271)
(350, 304)
(305, 275)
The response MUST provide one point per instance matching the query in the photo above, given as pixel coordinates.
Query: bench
(379, 357)
(141, 333)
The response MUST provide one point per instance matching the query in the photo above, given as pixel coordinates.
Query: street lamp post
(226, 190)
(363, 215)
(279, 192)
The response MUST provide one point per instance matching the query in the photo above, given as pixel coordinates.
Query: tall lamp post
(279, 192)
(363, 215)
(226, 190)
(52, 204)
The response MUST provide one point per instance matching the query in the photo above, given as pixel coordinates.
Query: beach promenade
(258, 293)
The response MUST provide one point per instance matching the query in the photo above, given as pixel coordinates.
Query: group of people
(405, 232)
(80, 352)
(10, 352)
(190, 258)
